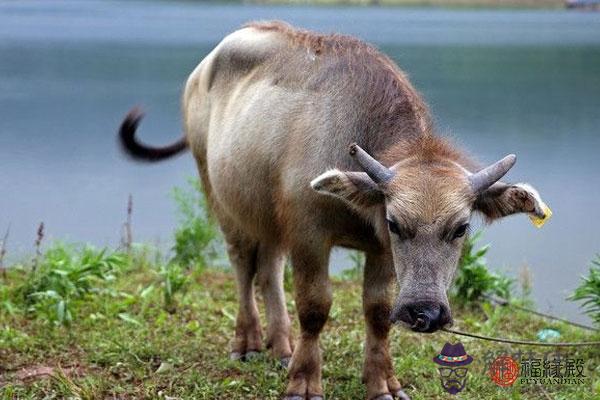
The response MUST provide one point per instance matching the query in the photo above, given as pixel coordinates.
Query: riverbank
(536, 4)
(121, 343)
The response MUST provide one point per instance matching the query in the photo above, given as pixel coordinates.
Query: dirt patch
(35, 372)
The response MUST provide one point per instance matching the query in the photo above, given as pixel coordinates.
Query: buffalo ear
(356, 188)
(502, 199)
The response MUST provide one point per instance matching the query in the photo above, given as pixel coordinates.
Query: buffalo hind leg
(313, 300)
(271, 263)
(242, 255)
(378, 371)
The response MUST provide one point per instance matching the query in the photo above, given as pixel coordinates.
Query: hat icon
(453, 355)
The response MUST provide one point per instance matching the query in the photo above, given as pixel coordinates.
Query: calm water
(498, 81)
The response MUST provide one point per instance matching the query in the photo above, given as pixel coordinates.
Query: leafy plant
(6, 301)
(288, 278)
(473, 280)
(355, 272)
(64, 275)
(195, 237)
(588, 291)
(174, 281)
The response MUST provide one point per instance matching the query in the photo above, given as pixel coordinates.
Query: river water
(526, 82)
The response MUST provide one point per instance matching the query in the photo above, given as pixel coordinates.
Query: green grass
(96, 324)
(473, 278)
(588, 291)
(196, 238)
(122, 343)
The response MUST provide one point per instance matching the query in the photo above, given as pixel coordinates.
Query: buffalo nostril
(421, 316)
(425, 317)
(421, 322)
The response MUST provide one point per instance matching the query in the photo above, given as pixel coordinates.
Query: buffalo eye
(460, 231)
(394, 228)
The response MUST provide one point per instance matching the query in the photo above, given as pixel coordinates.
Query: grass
(473, 279)
(196, 238)
(588, 291)
(82, 323)
(122, 343)
(64, 276)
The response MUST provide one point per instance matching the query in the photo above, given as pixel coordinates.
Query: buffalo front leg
(313, 301)
(378, 371)
(242, 255)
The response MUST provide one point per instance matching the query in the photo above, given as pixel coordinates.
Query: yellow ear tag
(539, 222)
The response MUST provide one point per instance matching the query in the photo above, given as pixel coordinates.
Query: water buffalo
(307, 141)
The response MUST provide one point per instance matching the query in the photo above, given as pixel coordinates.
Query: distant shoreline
(514, 4)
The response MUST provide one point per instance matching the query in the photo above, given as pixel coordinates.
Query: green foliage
(125, 348)
(588, 291)
(174, 281)
(288, 279)
(7, 303)
(473, 280)
(144, 257)
(65, 275)
(355, 271)
(196, 236)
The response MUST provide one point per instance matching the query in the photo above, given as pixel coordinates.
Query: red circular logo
(504, 371)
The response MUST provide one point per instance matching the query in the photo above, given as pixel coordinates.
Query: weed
(127, 234)
(196, 236)
(64, 275)
(38, 246)
(526, 283)
(355, 272)
(3, 253)
(588, 291)
(174, 281)
(288, 279)
(473, 280)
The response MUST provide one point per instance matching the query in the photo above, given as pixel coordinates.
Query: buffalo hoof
(401, 395)
(248, 356)
(298, 397)
(251, 355)
(285, 362)
(384, 397)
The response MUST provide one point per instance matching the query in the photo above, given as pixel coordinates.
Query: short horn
(376, 171)
(485, 178)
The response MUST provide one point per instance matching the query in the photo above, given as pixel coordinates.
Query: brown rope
(522, 342)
